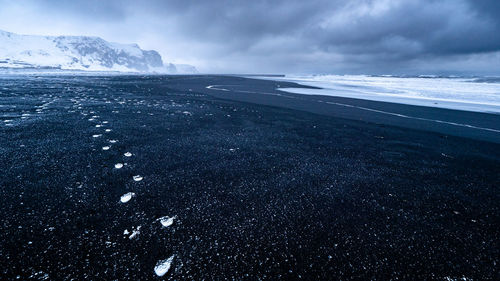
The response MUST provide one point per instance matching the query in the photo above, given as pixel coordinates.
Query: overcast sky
(292, 36)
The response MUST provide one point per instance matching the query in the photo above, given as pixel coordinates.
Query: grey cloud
(300, 36)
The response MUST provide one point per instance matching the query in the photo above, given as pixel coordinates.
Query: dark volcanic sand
(259, 192)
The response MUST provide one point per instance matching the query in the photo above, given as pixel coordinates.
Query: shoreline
(430, 119)
(394, 90)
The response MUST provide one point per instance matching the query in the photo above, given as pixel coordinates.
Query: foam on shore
(452, 93)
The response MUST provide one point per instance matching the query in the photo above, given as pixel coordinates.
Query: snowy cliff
(80, 53)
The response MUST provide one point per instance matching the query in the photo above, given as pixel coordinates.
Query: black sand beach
(262, 184)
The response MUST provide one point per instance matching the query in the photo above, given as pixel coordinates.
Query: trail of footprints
(162, 266)
(43, 104)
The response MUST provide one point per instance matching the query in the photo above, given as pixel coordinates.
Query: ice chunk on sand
(135, 232)
(166, 221)
(126, 197)
(127, 154)
(118, 165)
(137, 178)
(163, 266)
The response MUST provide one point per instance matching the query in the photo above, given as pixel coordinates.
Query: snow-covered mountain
(80, 53)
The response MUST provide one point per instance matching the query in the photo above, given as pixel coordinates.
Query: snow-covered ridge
(79, 53)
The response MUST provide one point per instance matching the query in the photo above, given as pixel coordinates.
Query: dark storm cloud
(301, 36)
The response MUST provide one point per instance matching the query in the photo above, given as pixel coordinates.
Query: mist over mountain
(80, 53)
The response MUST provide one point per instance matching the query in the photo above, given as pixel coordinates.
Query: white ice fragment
(108, 130)
(135, 232)
(98, 126)
(163, 266)
(105, 148)
(96, 136)
(127, 154)
(166, 221)
(113, 141)
(125, 232)
(118, 165)
(137, 178)
(126, 197)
